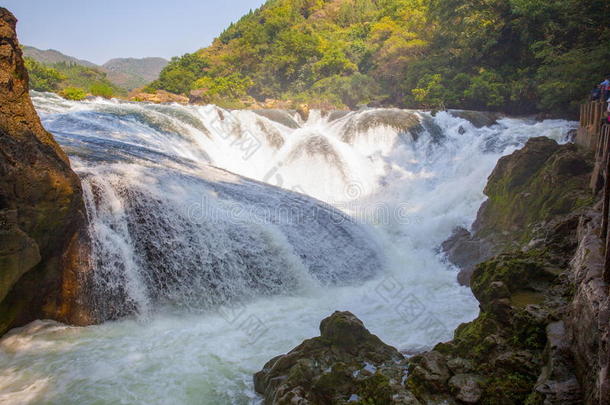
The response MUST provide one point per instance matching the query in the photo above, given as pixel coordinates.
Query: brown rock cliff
(43, 237)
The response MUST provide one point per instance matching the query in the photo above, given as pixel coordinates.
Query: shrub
(101, 90)
(43, 78)
(232, 86)
(73, 93)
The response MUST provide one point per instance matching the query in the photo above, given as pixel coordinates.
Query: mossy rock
(375, 390)
(469, 339)
(507, 389)
(345, 360)
(518, 271)
(533, 185)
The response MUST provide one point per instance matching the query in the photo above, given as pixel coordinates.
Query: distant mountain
(51, 56)
(127, 73)
(131, 72)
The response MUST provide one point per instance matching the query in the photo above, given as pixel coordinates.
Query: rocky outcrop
(346, 363)
(159, 97)
(479, 119)
(588, 320)
(526, 191)
(403, 121)
(43, 238)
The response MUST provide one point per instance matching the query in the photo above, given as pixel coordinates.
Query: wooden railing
(591, 115)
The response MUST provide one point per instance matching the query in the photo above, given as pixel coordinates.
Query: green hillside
(70, 80)
(520, 56)
(123, 73)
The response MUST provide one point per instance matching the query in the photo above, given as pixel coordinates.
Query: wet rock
(517, 361)
(303, 111)
(466, 387)
(458, 365)
(530, 193)
(405, 122)
(430, 370)
(283, 117)
(159, 96)
(536, 184)
(18, 252)
(337, 114)
(43, 249)
(557, 383)
(479, 119)
(466, 251)
(346, 361)
(588, 320)
(273, 136)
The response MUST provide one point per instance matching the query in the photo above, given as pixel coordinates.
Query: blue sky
(104, 29)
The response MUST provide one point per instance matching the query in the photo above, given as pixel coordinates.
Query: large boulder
(43, 238)
(527, 192)
(402, 121)
(346, 363)
(159, 97)
(479, 119)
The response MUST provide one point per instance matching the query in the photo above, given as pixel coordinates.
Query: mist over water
(222, 239)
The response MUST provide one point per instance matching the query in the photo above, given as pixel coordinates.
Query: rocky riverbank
(533, 263)
(43, 230)
(526, 192)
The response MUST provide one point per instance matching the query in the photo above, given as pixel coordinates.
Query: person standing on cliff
(596, 93)
(605, 87)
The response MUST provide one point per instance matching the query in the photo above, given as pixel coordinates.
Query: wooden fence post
(606, 202)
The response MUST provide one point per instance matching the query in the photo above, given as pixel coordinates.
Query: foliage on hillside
(70, 80)
(124, 73)
(511, 55)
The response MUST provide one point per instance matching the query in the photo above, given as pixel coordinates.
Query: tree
(43, 78)
(429, 92)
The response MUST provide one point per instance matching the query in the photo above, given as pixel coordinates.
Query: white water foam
(201, 339)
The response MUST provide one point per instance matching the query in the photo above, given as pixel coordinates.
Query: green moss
(535, 184)
(469, 338)
(516, 270)
(528, 333)
(535, 398)
(415, 386)
(332, 382)
(507, 389)
(522, 299)
(375, 390)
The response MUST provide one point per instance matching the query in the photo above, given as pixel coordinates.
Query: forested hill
(118, 75)
(520, 56)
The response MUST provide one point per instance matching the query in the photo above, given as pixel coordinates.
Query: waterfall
(221, 239)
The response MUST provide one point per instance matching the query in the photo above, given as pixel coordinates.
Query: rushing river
(222, 238)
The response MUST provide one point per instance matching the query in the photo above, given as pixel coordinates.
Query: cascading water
(226, 236)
